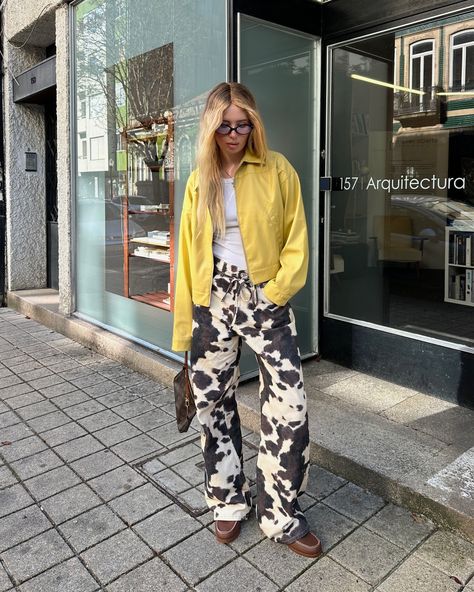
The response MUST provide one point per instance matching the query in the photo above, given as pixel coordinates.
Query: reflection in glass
(142, 71)
(401, 251)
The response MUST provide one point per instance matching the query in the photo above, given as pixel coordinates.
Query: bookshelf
(459, 267)
(148, 267)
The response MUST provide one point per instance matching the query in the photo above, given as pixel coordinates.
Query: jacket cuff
(181, 345)
(272, 292)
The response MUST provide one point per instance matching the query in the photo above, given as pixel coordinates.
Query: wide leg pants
(239, 310)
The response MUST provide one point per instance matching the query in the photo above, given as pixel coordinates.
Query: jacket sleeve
(183, 305)
(291, 276)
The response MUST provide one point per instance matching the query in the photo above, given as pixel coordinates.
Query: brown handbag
(183, 397)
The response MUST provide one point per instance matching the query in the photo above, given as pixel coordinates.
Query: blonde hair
(209, 159)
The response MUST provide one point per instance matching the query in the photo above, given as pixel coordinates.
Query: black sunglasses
(243, 129)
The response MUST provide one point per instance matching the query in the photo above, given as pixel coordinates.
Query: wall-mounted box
(37, 84)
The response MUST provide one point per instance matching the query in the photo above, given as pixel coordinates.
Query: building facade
(374, 108)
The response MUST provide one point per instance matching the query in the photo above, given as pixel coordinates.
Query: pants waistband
(224, 268)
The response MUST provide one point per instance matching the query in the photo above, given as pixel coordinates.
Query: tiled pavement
(86, 448)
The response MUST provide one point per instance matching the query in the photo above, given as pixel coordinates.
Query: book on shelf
(460, 249)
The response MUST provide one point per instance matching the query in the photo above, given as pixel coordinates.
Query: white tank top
(229, 248)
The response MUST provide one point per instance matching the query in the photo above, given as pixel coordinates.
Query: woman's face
(233, 144)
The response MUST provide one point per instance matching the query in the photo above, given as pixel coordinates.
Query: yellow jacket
(274, 235)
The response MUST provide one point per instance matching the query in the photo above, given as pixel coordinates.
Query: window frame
(421, 56)
(463, 47)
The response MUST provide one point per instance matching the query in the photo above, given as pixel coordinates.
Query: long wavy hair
(209, 157)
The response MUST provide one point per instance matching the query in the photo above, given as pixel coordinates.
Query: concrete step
(410, 448)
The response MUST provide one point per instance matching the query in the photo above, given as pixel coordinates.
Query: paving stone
(167, 527)
(140, 503)
(14, 391)
(117, 433)
(70, 399)
(100, 420)
(52, 482)
(87, 379)
(49, 421)
(250, 534)
(26, 366)
(146, 387)
(70, 576)
(116, 482)
(63, 365)
(22, 448)
(36, 464)
(78, 448)
(57, 389)
(414, 575)
(448, 553)
(400, 526)
(328, 525)
(118, 397)
(153, 576)
(277, 562)
(96, 464)
(84, 409)
(103, 388)
(70, 503)
(354, 502)
(5, 582)
(9, 381)
(171, 481)
(243, 576)
(91, 527)
(62, 434)
(115, 556)
(129, 379)
(36, 410)
(25, 399)
(34, 556)
(14, 498)
(168, 434)
(305, 501)
(194, 499)
(180, 453)
(7, 419)
(51, 380)
(322, 483)
(367, 555)
(22, 525)
(133, 409)
(136, 448)
(198, 556)
(327, 576)
(189, 471)
(15, 432)
(7, 478)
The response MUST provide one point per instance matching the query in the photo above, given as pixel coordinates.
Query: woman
(243, 253)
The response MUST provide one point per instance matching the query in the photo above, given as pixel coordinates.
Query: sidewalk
(99, 491)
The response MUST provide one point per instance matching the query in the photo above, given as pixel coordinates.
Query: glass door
(281, 67)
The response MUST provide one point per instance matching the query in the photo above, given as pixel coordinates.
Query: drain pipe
(2, 180)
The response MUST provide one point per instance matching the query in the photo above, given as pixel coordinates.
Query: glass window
(143, 69)
(401, 234)
(422, 65)
(462, 61)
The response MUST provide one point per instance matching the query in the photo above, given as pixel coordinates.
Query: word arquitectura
(404, 182)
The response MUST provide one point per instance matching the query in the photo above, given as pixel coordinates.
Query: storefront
(375, 111)
(399, 210)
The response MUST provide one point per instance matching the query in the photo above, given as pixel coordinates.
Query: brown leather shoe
(227, 530)
(308, 546)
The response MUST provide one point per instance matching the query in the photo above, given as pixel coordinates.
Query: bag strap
(186, 365)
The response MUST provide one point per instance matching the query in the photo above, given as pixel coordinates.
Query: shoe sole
(309, 555)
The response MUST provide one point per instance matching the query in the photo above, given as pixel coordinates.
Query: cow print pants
(239, 310)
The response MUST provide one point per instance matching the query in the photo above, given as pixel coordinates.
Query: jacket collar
(251, 157)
